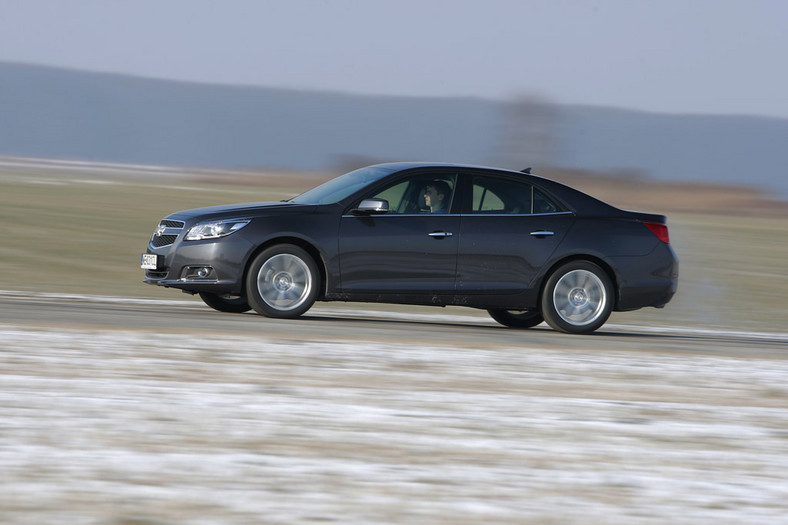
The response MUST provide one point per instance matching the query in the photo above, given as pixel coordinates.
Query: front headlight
(215, 229)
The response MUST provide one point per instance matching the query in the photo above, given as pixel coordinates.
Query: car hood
(249, 209)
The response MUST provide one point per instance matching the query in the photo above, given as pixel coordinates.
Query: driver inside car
(436, 196)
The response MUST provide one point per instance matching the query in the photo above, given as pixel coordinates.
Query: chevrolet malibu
(525, 248)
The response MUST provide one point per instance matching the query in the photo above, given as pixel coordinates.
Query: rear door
(509, 231)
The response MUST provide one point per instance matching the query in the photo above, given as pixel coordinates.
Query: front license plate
(150, 261)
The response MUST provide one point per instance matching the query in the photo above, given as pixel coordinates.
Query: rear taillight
(660, 230)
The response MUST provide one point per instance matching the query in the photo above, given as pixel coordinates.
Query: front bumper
(201, 266)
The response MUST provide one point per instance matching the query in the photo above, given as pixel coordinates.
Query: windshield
(343, 186)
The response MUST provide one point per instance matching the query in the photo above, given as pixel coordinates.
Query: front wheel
(283, 282)
(577, 298)
(516, 318)
(225, 303)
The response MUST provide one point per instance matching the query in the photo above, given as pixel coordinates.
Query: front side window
(419, 194)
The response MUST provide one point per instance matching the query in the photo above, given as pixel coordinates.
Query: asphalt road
(339, 322)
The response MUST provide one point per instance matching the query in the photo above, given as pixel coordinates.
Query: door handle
(440, 235)
(542, 233)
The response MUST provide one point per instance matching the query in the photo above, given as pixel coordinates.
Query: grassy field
(83, 234)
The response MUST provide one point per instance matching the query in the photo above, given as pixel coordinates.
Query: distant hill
(56, 113)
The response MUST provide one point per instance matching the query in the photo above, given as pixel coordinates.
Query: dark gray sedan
(525, 248)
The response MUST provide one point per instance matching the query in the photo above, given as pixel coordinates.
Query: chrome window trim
(405, 215)
(461, 214)
(518, 214)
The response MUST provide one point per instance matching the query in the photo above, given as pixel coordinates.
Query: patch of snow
(113, 426)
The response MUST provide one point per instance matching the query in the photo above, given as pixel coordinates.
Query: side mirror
(372, 207)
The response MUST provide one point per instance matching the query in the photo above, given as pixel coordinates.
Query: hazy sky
(678, 56)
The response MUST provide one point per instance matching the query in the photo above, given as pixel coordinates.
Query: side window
(501, 196)
(543, 203)
(419, 193)
(486, 200)
(394, 195)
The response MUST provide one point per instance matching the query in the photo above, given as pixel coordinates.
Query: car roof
(400, 166)
(577, 200)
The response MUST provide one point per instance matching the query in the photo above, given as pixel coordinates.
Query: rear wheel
(578, 298)
(517, 318)
(225, 303)
(283, 282)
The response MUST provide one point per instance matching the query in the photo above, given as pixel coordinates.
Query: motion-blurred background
(674, 107)
(122, 410)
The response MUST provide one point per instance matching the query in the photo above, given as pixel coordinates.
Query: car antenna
(526, 170)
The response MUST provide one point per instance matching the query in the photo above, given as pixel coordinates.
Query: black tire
(283, 282)
(517, 318)
(578, 298)
(226, 303)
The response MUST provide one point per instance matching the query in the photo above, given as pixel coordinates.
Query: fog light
(202, 273)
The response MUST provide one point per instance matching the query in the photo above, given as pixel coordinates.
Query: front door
(412, 249)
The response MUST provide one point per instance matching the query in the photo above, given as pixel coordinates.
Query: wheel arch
(581, 257)
(310, 248)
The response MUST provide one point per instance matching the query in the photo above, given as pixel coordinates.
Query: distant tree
(528, 134)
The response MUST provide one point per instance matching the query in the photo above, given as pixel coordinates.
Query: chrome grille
(166, 233)
(163, 240)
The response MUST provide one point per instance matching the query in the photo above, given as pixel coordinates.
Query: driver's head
(436, 195)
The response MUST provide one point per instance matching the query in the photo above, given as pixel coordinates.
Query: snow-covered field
(135, 427)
